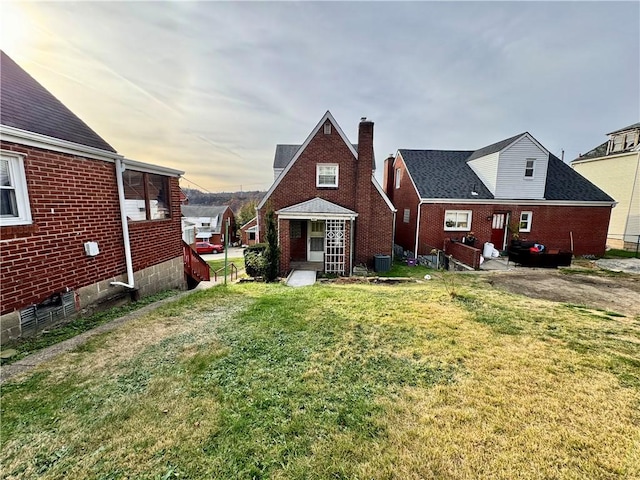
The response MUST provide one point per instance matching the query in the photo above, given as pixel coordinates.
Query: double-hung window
(146, 196)
(398, 172)
(14, 198)
(326, 175)
(525, 221)
(529, 168)
(457, 220)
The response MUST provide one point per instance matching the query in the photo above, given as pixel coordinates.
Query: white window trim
(533, 168)
(19, 179)
(454, 228)
(398, 171)
(527, 229)
(326, 185)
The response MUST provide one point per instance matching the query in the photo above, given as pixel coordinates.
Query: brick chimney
(388, 180)
(363, 189)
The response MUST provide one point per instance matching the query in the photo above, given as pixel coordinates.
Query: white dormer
(518, 170)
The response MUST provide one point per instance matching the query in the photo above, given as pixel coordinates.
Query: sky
(210, 88)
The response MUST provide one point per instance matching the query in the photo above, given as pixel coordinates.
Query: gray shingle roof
(444, 174)
(27, 105)
(496, 147)
(202, 210)
(564, 183)
(317, 206)
(599, 151)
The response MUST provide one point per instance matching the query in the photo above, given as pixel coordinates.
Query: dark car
(206, 247)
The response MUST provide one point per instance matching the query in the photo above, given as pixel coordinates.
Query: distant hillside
(234, 199)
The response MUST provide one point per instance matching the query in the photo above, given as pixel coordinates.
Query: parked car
(206, 247)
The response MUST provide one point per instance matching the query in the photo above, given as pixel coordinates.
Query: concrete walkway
(627, 265)
(301, 278)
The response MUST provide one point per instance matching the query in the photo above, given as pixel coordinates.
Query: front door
(315, 244)
(498, 229)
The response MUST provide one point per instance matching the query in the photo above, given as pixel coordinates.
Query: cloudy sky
(211, 87)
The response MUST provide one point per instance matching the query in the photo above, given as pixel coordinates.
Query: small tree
(272, 253)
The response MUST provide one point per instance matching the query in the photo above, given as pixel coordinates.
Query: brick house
(80, 223)
(209, 222)
(331, 212)
(249, 232)
(512, 185)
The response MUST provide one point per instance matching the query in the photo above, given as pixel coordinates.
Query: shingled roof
(202, 210)
(446, 174)
(564, 183)
(27, 105)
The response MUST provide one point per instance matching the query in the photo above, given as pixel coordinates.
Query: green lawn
(357, 381)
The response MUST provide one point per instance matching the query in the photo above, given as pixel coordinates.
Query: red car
(206, 247)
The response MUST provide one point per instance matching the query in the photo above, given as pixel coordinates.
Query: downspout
(418, 228)
(257, 225)
(120, 168)
(393, 237)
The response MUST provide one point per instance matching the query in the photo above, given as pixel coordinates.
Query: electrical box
(91, 249)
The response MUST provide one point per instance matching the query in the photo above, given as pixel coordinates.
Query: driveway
(232, 252)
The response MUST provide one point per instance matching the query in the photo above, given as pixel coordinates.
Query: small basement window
(456, 220)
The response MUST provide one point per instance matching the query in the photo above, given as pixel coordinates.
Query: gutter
(120, 168)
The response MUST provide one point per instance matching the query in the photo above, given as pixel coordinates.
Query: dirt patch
(616, 293)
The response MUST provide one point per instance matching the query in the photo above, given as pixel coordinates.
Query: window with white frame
(326, 175)
(529, 168)
(14, 198)
(146, 196)
(398, 177)
(457, 220)
(407, 215)
(525, 221)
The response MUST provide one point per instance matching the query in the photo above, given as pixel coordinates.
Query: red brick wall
(244, 235)
(405, 197)
(551, 225)
(463, 253)
(74, 200)
(299, 185)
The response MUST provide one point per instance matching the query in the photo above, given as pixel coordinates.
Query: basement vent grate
(50, 312)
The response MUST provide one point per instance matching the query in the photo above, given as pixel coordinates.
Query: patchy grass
(615, 253)
(593, 271)
(337, 381)
(401, 269)
(27, 346)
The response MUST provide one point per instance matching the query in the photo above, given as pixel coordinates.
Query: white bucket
(488, 250)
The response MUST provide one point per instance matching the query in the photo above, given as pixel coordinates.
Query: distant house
(331, 212)
(80, 224)
(209, 222)
(249, 232)
(512, 186)
(614, 166)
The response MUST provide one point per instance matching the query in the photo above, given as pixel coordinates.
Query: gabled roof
(202, 210)
(564, 183)
(599, 151)
(316, 206)
(444, 174)
(496, 147)
(28, 106)
(325, 117)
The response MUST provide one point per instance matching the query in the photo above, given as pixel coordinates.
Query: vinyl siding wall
(511, 182)
(487, 169)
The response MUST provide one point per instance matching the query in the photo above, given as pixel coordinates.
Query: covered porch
(316, 235)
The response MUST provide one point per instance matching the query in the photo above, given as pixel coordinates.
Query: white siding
(487, 169)
(511, 182)
(633, 223)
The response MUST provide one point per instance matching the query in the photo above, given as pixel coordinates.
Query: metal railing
(233, 271)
